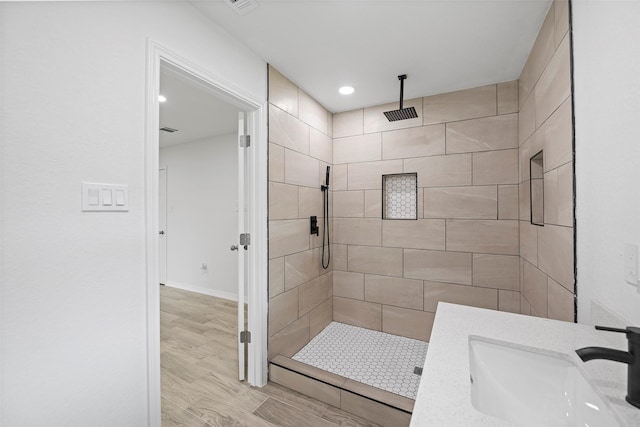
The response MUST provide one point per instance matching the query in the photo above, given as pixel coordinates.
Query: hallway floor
(199, 373)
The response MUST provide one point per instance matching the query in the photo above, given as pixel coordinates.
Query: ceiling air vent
(242, 6)
(168, 129)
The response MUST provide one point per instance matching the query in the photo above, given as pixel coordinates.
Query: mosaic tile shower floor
(375, 358)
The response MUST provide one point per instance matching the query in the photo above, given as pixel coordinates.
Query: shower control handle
(234, 247)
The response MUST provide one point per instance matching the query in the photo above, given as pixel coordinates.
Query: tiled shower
(472, 243)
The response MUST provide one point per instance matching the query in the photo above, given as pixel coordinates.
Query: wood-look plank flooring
(199, 373)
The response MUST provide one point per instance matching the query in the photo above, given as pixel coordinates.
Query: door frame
(257, 295)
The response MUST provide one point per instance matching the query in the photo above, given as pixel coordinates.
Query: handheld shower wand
(325, 232)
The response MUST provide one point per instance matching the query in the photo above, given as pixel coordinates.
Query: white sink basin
(531, 387)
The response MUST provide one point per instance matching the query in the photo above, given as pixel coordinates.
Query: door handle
(234, 247)
(161, 232)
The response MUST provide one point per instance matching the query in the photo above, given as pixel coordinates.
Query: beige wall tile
(338, 178)
(308, 386)
(557, 137)
(525, 307)
(330, 124)
(550, 195)
(413, 142)
(348, 285)
(368, 176)
(338, 256)
(508, 97)
(496, 271)
(276, 276)
(529, 241)
(375, 260)
(565, 195)
(460, 105)
(376, 121)
(320, 146)
(530, 148)
(320, 317)
(348, 204)
(495, 167)
(524, 201)
(534, 288)
(300, 169)
(287, 237)
(301, 267)
(291, 339)
(358, 231)
(379, 395)
(509, 301)
(286, 130)
(314, 293)
(283, 201)
(282, 92)
(491, 237)
(441, 171)
(407, 323)
(461, 202)
(360, 148)
(394, 291)
(315, 241)
(560, 302)
(310, 202)
(561, 9)
(555, 254)
(435, 292)
(276, 163)
(508, 202)
(283, 310)
(451, 267)
(540, 55)
(312, 113)
(527, 119)
(419, 234)
(349, 123)
(383, 415)
(554, 85)
(485, 134)
(358, 313)
(373, 203)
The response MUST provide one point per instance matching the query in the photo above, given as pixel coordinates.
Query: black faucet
(631, 358)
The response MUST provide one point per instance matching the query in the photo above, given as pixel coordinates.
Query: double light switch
(105, 197)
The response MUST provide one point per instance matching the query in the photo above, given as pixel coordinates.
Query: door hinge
(245, 141)
(245, 239)
(245, 337)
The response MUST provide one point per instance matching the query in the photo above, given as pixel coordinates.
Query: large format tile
(310, 202)
(480, 202)
(357, 231)
(496, 271)
(282, 92)
(373, 203)
(291, 339)
(554, 85)
(509, 301)
(417, 234)
(288, 131)
(349, 123)
(413, 142)
(288, 237)
(301, 267)
(508, 207)
(283, 310)
(276, 276)
(339, 177)
(529, 241)
(540, 55)
(565, 195)
(357, 313)
(435, 292)
(368, 176)
(534, 288)
(495, 167)
(527, 119)
(508, 97)
(408, 323)
(441, 171)
(312, 113)
(557, 137)
(485, 134)
(394, 291)
(283, 201)
(360, 148)
(338, 256)
(491, 237)
(555, 254)
(320, 317)
(560, 302)
(348, 285)
(452, 267)
(320, 146)
(348, 204)
(460, 105)
(300, 169)
(375, 260)
(376, 121)
(561, 12)
(276, 163)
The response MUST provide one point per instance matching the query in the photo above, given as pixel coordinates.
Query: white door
(162, 225)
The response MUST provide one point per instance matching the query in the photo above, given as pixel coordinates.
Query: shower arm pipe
(402, 78)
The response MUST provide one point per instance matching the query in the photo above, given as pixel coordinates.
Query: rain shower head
(402, 113)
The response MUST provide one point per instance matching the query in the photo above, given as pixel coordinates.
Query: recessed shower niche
(400, 196)
(536, 169)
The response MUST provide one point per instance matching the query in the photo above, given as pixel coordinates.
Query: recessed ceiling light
(346, 90)
(162, 98)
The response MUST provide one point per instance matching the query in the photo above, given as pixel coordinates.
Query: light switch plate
(100, 197)
(631, 263)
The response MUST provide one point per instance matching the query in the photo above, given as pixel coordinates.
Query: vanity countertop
(444, 395)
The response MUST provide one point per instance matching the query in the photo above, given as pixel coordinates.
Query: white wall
(202, 221)
(607, 109)
(73, 284)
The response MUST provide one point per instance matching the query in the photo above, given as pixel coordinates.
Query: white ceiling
(442, 45)
(193, 110)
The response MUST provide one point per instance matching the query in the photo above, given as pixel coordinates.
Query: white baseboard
(201, 290)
